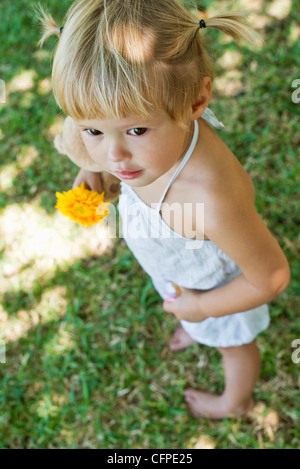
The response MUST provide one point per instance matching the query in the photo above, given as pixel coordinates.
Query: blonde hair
(117, 58)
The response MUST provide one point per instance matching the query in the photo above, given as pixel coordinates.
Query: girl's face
(137, 151)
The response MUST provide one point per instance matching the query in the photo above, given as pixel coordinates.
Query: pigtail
(49, 25)
(234, 24)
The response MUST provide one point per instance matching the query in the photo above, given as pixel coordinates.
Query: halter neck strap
(182, 164)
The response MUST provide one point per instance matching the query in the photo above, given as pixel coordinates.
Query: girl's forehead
(119, 124)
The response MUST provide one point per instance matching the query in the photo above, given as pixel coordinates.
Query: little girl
(135, 77)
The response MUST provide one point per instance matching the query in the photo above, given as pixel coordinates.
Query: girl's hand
(186, 306)
(92, 181)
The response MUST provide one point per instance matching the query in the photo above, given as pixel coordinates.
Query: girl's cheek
(93, 153)
(92, 148)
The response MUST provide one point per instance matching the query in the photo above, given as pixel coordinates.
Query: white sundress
(169, 257)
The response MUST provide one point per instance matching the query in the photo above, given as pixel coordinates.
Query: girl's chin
(136, 182)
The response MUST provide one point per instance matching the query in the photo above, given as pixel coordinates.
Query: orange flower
(82, 205)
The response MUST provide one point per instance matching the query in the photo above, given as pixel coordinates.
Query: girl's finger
(170, 297)
(167, 306)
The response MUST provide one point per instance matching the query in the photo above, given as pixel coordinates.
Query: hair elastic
(202, 24)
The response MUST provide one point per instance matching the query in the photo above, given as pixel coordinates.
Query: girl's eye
(93, 132)
(139, 131)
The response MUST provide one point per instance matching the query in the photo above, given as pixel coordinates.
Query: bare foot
(180, 339)
(203, 404)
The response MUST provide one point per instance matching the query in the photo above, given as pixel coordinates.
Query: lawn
(87, 363)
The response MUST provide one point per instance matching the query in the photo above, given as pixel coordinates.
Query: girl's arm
(234, 225)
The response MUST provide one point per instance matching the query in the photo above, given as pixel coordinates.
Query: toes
(190, 392)
(176, 345)
(180, 340)
(189, 396)
(176, 341)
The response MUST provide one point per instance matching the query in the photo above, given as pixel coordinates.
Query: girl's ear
(203, 99)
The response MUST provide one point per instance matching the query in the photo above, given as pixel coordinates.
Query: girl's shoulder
(214, 177)
(214, 171)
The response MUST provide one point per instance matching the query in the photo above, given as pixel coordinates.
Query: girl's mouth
(128, 174)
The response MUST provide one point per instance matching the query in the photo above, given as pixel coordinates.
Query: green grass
(87, 359)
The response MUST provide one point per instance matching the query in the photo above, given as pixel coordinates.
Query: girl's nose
(118, 152)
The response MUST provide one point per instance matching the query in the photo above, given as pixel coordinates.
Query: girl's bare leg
(241, 369)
